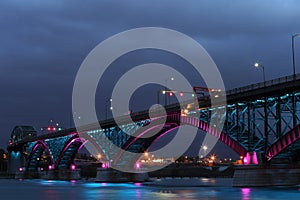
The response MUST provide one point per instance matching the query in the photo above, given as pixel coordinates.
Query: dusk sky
(43, 43)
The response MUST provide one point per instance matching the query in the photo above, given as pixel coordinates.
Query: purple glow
(73, 167)
(104, 184)
(104, 165)
(137, 184)
(73, 181)
(50, 167)
(254, 158)
(246, 193)
(137, 165)
(247, 159)
(20, 169)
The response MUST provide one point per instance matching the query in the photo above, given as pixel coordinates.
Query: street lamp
(106, 105)
(293, 53)
(166, 82)
(258, 65)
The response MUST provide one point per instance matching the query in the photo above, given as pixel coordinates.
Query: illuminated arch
(66, 156)
(72, 146)
(37, 151)
(173, 121)
(284, 142)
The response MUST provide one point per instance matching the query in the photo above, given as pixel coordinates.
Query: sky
(43, 43)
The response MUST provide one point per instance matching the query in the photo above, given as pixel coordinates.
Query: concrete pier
(49, 175)
(258, 176)
(111, 175)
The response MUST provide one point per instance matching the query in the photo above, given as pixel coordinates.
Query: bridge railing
(272, 82)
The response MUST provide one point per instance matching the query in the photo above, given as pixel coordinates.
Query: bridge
(261, 123)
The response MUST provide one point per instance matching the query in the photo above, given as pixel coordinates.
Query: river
(52, 190)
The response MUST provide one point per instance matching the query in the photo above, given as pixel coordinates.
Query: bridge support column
(258, 176)
(250, 159)
(15, 161)
(112, 175)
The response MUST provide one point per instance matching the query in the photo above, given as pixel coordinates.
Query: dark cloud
(42, 44)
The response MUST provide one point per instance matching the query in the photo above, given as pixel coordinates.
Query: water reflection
(42, 189)
(245, 193)
(51, 194)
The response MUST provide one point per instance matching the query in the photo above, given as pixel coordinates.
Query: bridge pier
(49, 175)
(16, 161)
(261, 176)
(252, 158)
(112, 175)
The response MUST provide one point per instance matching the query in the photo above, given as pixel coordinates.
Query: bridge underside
(258, 120)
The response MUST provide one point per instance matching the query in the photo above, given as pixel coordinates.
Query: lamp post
(106, 105)
(166, 88)
(258, 65)
(293, 53)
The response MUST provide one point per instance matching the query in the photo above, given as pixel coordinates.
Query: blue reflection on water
(50, 189)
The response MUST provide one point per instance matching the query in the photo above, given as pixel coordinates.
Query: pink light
(20, 169)
(254, 158)
(104, 166)
(73, 181)
(137, 165)
(247, 159)
(50, 167)
(246, 193)
(73, 167)
(137, 184)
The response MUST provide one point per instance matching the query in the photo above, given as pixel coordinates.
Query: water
(52, 190)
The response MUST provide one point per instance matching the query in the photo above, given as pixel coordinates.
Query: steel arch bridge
(261, 119)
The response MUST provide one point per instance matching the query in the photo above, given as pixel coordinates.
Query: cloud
(44, 42)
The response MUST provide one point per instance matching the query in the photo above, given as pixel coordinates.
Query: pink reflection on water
(246, 193)
(137, 184)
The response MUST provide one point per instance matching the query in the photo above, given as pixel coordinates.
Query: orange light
(213, 157)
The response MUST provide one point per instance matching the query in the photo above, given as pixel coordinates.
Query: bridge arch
(173, 122)
(67, 155)
(72, 146)
(284, 142)
(36, 154)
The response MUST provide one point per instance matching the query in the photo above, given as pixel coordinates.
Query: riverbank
(191, 170)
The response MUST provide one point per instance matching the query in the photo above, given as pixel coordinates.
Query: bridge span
(261, 123)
